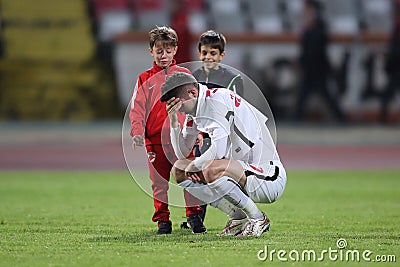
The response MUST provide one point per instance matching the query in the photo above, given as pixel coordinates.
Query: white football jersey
(237, 129)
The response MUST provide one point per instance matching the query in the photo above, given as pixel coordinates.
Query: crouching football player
(241, 167)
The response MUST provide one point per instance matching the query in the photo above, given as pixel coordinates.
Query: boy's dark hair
(174, 84)
(165, 34)
(214, 39)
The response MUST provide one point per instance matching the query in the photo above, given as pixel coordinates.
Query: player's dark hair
(175, 84)
(165, 34)
(214, 39)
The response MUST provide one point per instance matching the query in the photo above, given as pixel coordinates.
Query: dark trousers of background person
(388, 94)
(311, 86)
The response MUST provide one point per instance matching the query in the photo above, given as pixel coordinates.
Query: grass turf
(103, 219)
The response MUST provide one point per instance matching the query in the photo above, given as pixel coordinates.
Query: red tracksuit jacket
(148, 114)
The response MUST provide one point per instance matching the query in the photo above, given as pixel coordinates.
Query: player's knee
(212, 172)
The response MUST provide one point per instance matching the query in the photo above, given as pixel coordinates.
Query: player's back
(245, 125)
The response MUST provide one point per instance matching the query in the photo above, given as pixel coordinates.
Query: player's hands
(137, 140)
(194, 176)
(193, 173)
(173, 106)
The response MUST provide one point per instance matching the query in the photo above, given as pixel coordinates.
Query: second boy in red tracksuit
(149, 127)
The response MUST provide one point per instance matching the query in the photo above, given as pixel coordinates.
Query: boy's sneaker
(203, 215)
(196, 224)
(234, 227)
(184, 225)
(256, 227)
(164, 228)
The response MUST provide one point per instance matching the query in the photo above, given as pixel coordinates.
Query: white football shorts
(265, 182)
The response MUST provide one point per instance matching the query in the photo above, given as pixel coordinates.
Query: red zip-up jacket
(148, 114)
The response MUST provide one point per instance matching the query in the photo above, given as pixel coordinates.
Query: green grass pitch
(104, 219)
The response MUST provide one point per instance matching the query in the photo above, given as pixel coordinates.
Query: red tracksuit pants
(160, 163)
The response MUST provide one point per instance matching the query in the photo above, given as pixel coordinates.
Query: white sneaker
(256, 227)
(234, 227)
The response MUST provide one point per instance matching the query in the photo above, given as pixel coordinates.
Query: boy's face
(163, 54)
(210, 56)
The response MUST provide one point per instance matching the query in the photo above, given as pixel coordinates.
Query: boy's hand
(137, 140)
(173, 106)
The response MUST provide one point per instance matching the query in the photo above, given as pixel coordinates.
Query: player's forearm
(181, 144)
(173, 118)
(215, 151)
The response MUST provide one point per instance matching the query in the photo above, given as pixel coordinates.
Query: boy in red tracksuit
(150, 127)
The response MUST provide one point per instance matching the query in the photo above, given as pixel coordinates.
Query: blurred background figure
(392, 66)
(180, 22)
(313, 61)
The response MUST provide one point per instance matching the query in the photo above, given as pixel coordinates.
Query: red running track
(109, 156)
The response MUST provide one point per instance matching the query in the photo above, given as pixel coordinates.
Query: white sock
(231, 191)
(231, 210)
(252, 211)
(209, 195)
(201, 191)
